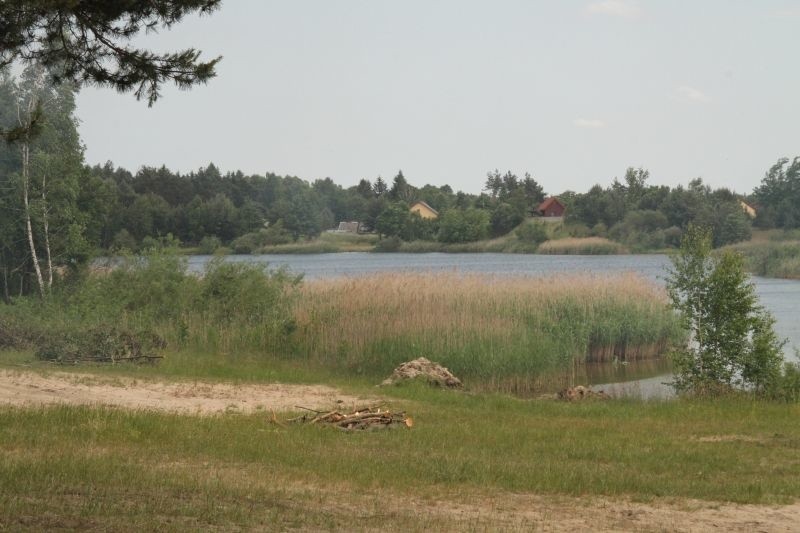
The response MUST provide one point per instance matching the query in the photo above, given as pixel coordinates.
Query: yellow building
(424, 210)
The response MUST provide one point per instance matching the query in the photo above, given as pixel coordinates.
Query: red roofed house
(551, 207)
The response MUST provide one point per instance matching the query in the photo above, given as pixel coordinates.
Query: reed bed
(517, 334)
(581, 246)
(775, 259)
(510, 333)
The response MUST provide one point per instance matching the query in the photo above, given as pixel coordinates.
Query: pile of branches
(100, 344)
(363, 419)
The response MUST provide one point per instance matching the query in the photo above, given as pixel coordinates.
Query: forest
(57, 211)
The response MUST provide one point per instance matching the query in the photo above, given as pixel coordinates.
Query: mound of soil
(433, 373)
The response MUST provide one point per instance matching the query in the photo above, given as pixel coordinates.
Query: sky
(572, 91)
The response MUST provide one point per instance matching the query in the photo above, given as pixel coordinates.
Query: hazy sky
(571, 91)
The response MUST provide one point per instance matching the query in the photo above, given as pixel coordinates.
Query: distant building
(748, 209)
(551, 207)
(424, 210)
(348, 227)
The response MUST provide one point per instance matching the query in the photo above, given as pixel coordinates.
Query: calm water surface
(781, 297)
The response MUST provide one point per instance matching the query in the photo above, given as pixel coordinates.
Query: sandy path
(22, 388)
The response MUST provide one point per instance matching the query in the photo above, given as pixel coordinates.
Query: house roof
(420, 202)
(548, 202)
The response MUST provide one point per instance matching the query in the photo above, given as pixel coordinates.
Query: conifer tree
(86, 41)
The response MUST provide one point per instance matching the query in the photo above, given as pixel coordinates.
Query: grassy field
(81, 467)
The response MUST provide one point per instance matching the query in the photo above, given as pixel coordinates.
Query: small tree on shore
(733, 343)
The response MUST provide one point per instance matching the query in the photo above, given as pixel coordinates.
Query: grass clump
(503, 333)
(581, 246)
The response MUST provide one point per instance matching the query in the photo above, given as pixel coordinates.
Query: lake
(780, 297)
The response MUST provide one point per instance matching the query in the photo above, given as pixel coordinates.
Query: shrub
(123, 240)
(504, 218)
(209, 244)
(388, 244)
(245, 293)
(272, 236)
(532, 232)
(735, 345)
(464, 225)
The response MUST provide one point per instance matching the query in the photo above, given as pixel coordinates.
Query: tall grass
(325, 243)
(581, 246)
(775, 259)
(504, 333)
(516, 334)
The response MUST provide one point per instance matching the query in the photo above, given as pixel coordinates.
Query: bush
(504, 218)
(532, 232)
(245, 293)
(272, 236)
(209, 244)
(388, 244)
(787, 387)
(464, 225)
(123, 240)
(102, 343)
(735, 345)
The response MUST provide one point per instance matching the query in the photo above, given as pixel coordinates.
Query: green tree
(504, 218)
(41, 182)
(532, 232)
(467, 225)
(393, 220)
(88, 42)
(733, 344)
(778, 196)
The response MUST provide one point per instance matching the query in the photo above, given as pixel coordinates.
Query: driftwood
(422, 368)
(365, 418)
(108, 359)
(579, 392)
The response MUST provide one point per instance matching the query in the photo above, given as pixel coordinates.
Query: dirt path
(30, 388)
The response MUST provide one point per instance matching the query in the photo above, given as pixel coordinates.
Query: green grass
(80, 467)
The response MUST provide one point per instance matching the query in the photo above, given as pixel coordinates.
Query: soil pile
(433, 373)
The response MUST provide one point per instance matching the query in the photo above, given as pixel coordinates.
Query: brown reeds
(502, 329)
(581, 246)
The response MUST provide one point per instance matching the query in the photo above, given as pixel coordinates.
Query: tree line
(56, 211)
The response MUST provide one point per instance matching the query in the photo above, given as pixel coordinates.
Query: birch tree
(40, 173)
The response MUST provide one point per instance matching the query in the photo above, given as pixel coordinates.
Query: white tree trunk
(26, 163)
(46, 225)
(28, 226)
